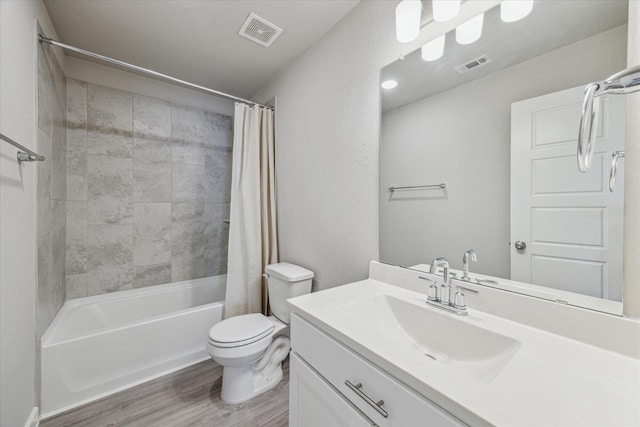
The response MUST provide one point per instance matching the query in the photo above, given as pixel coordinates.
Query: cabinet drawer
(339, 365)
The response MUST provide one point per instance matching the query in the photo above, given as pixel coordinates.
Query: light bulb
(434, 49)
(389, 84)
(444, 10)
(515, 10)
(470, 31)
(408, 20)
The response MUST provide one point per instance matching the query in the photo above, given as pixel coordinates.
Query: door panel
(545, 173)
(581, 226)
(571, 275)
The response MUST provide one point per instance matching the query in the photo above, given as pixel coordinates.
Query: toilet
(251, 347)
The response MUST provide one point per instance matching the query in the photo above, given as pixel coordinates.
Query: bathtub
(99, 345)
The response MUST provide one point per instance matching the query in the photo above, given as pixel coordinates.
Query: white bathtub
(103, 344)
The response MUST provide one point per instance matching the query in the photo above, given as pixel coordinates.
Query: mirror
(496, 122)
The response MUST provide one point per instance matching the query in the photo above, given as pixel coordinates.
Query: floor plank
(187, 398)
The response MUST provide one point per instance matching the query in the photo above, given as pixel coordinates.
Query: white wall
(463, 137)
(327, 129)
(17, 208)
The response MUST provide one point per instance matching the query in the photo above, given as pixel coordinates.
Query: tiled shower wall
(148, 190)
(51, 188)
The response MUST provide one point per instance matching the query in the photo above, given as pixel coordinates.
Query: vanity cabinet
(329, 380)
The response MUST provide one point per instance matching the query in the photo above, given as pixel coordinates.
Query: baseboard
(34, 419)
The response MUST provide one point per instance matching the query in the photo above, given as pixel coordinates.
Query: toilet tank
(286, 281)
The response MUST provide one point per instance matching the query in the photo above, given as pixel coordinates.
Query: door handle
(520, 245)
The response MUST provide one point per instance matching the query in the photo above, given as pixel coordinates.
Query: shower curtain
(252, 227)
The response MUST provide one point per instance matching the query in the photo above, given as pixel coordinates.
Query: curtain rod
(43, 39)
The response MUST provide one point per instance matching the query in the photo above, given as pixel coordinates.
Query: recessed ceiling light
(389, 84)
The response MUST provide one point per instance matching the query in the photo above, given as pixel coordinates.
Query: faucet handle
(433, 293)
(445, 293)
(458, 300)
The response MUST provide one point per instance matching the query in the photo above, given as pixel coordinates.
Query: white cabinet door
(314, 403)
(570, 222)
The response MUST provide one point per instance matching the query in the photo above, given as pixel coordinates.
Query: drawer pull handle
(375, 405)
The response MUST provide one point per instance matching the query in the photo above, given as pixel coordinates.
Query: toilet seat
(240, 330)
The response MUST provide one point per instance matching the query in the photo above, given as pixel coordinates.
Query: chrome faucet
(445, 288)
(465, 263)
(441, 262)
(443, 300)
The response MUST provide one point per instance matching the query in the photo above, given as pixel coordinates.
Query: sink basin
(441, 337)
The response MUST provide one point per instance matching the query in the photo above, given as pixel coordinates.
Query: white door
(570, 222)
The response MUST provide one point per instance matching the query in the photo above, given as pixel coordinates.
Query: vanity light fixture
(389, 84)
(408, 13)
(515, 10)
(444, 10)
(434, 49)
(470, 31)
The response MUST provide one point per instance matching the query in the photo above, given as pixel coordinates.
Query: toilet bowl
(251, 347)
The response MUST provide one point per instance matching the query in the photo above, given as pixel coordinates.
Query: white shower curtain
(252, 227)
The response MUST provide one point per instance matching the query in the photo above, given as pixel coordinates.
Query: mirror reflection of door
(442, 126)
(570, 222)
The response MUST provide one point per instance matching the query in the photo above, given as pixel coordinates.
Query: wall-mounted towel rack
(415, 187)
(25, 155)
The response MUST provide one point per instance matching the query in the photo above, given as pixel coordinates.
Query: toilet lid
(241, 330)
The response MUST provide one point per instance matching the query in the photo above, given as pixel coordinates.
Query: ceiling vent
(259, 30)
(473, 64)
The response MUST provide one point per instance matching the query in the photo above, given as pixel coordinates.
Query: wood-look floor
(187, 398)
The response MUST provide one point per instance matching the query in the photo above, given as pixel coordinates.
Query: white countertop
(550, 381)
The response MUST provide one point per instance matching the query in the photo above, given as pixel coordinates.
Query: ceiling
(551, 25)
(197, 40)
